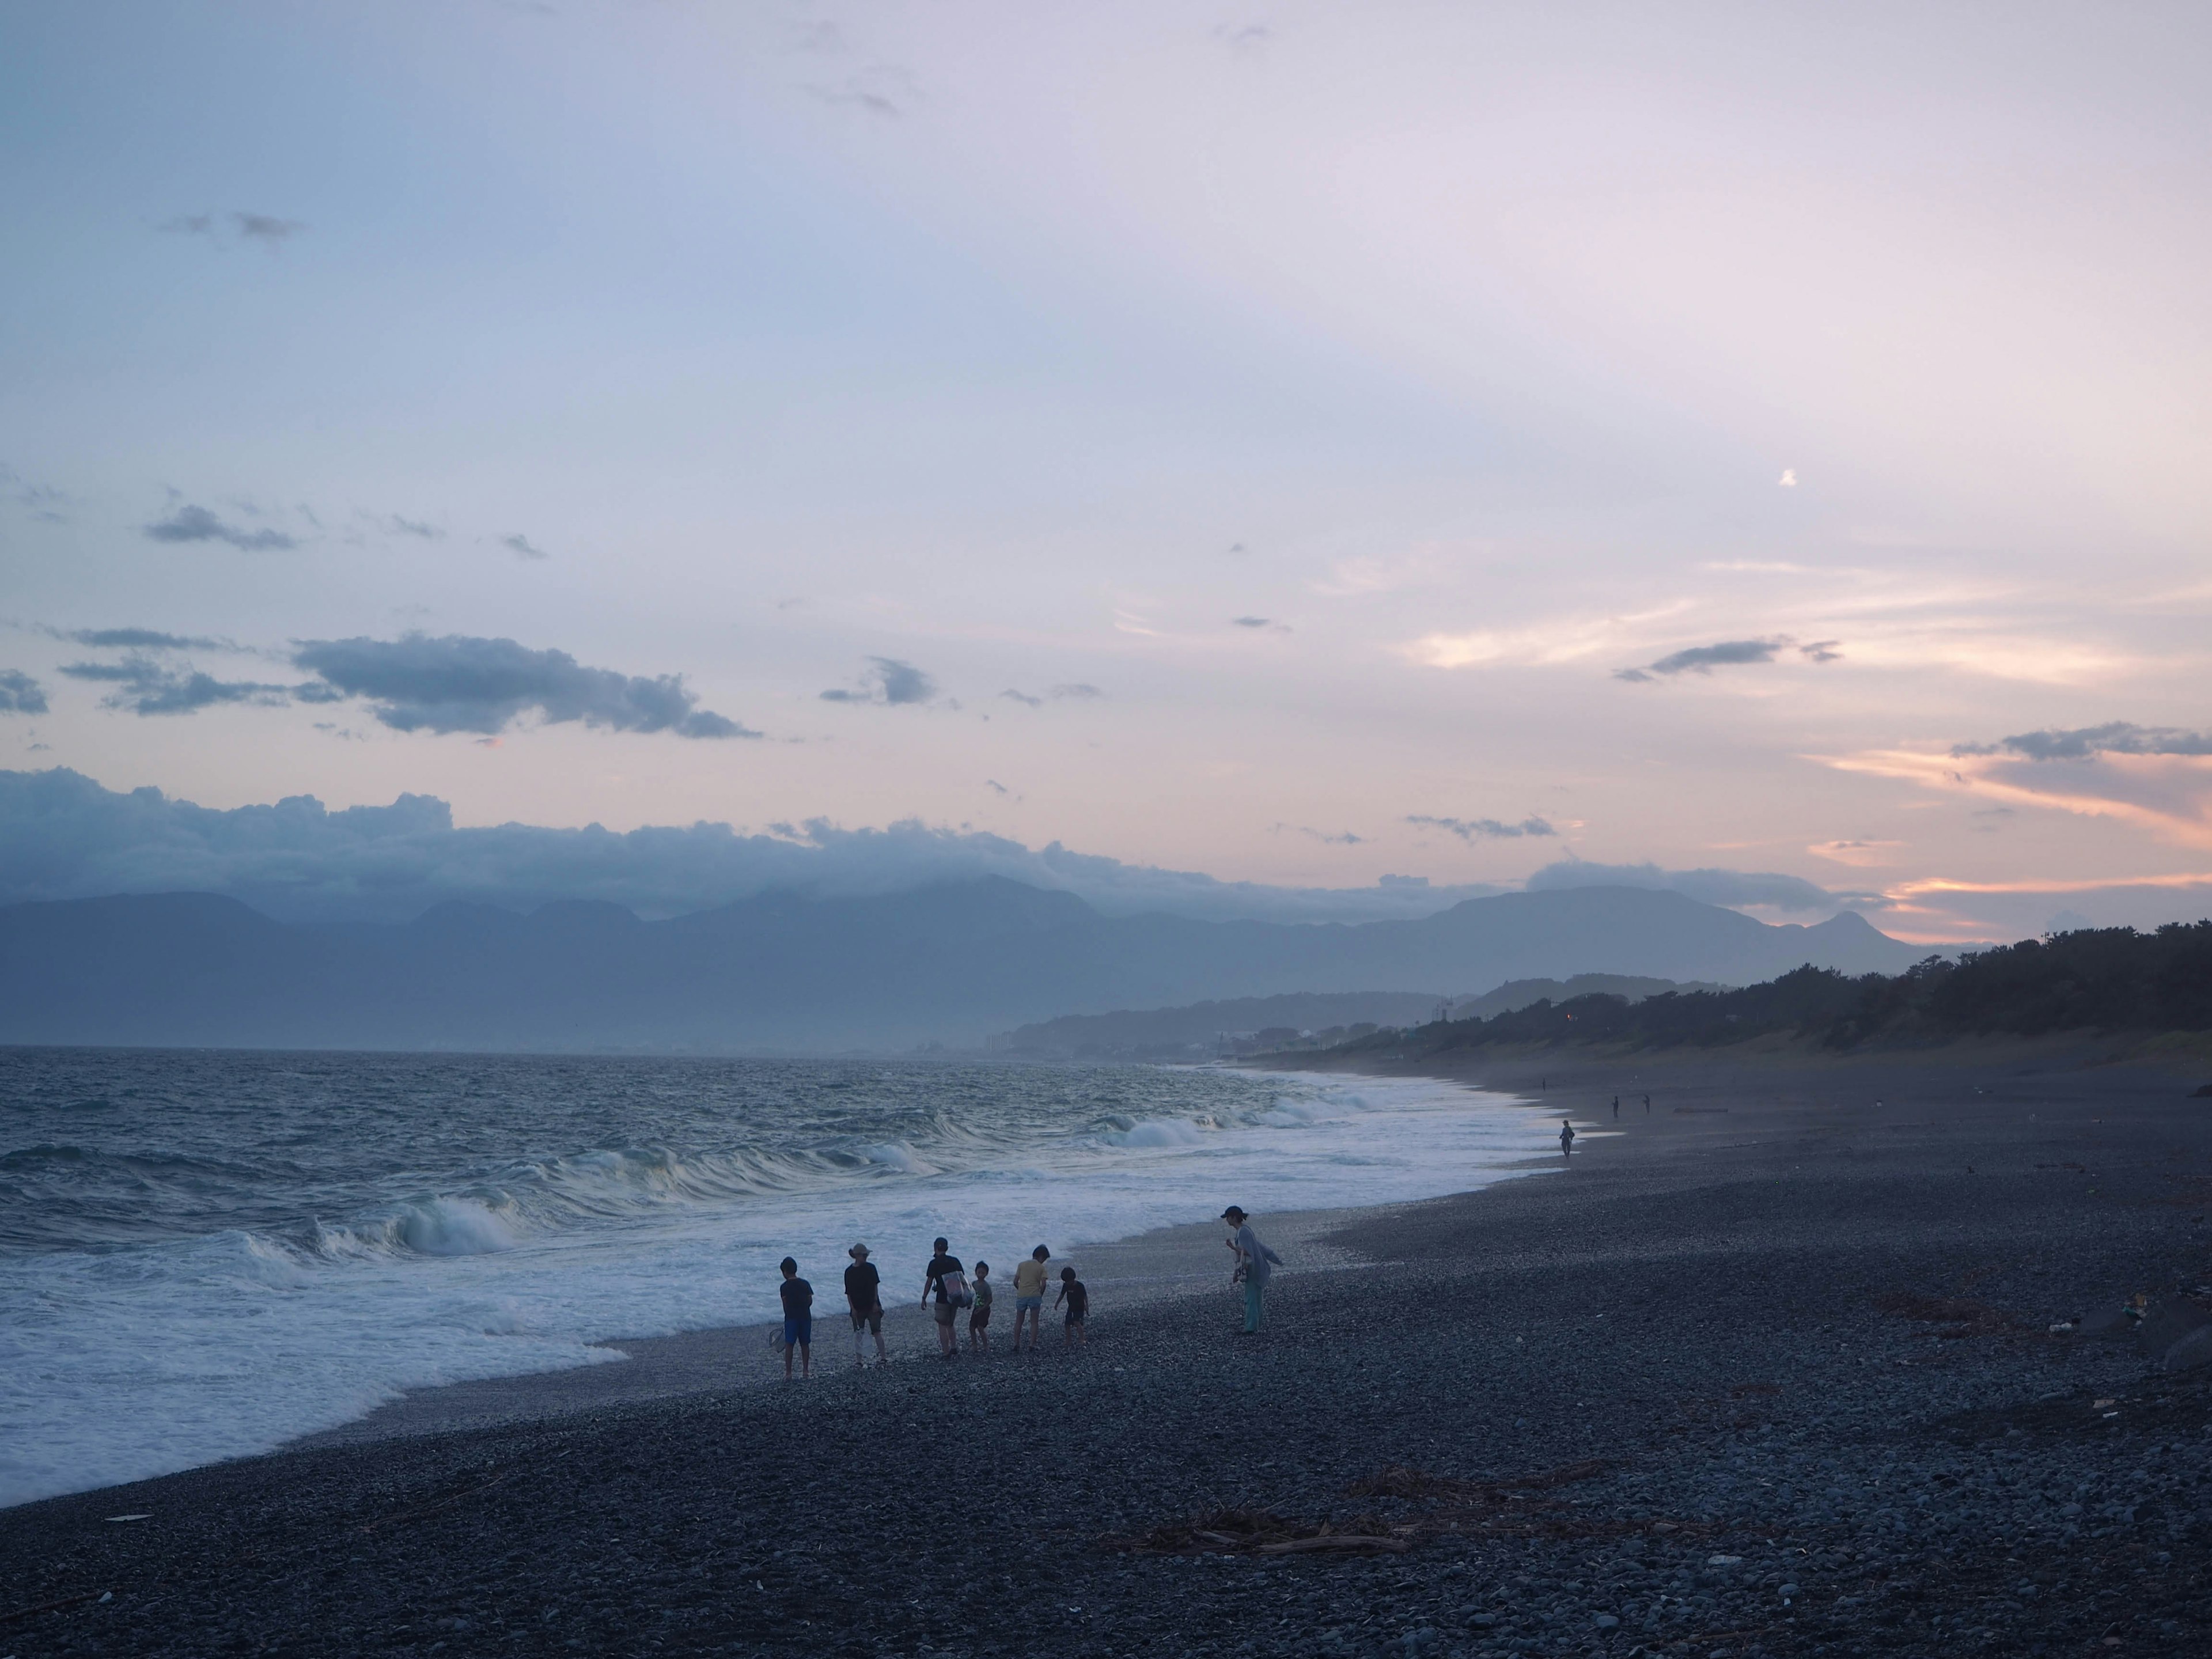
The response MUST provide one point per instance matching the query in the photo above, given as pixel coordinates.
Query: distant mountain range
(785, 973)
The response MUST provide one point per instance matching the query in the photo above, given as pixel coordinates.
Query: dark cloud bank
(455, 683)
(62, 835)
(461, 683)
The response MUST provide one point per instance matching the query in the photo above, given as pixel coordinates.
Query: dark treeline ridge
(2112, 979)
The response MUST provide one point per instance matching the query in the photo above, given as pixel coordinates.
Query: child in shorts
(1079, 1305)
(1028, 1298)
(798, 1320)
(979, 1339)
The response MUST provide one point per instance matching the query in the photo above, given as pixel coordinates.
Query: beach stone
(2192, 1352)
(2169, 1319)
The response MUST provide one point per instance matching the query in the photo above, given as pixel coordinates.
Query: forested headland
(2104, 979)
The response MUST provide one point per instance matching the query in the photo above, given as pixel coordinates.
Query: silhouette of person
(1616, 1109)
(1566, 1139)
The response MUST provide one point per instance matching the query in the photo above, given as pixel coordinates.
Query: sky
(1293, 445)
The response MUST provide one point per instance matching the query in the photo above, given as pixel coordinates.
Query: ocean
(203, 1254)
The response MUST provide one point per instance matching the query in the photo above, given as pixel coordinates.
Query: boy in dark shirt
(863, 1298)
(798, 1320)
(1079, 1305)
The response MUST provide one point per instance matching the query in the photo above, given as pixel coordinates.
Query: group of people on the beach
(948, 1291)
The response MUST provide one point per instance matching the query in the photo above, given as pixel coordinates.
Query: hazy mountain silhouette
(787, 973)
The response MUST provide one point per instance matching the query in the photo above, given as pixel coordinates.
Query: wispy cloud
(197, 524)
(138, 639)
(1075, 693)
(1473, 829)
(267, 228)
(889, 682)
(1729, 654)
(146, 686)
(459, 682)
(40, 500)
(2165, 790)
(521, 546)
(397, 524)
(2113, 737)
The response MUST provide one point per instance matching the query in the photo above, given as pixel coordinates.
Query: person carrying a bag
(948, 1280)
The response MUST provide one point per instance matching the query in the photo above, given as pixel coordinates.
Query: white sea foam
(137, 1361)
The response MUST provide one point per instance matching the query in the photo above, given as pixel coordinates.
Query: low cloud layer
(2114, 737)
(1729, 654)
(197, 524)
(1473, 830)
(891, 682)
(459, 682)
(1735, 889)
(19, 694)
(62, 835)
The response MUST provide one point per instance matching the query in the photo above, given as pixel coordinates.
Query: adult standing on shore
(864, 1296)
(1254, 1263)
(948, 1280)
(1566, 1138)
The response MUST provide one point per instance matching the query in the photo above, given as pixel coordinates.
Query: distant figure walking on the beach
(1566, 1139)
(1079, 1306)
(798, 1320)
(1254, 1263)
(949, 1283)
(1616, 1109)
(978, 1338)
(1028, 1298)
(1647, 1105)
(863, 1298)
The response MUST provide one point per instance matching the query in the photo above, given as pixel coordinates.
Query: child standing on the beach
(1566, 1138)
(1079, 1305)
(1029, 1296)
(979, 1339)
(798, 1320)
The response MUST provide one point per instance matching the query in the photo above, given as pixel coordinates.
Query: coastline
(1768, 1373)
(1163, 1264)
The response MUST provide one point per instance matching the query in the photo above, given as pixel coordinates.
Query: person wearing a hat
(864, 1295)
(1255, 1262)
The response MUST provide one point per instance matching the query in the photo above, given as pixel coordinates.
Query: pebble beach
(1771, 1371)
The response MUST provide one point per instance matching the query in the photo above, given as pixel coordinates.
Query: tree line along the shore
(2108, 979)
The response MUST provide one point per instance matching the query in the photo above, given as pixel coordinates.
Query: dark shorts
(980, 1318)
(799, 1333)
(1077, 1318)
(873, 1319)
(945, 1312)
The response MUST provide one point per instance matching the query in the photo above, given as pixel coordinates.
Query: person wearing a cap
(864, 1295)
(1255, 1261)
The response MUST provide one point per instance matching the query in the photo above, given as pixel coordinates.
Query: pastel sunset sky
(1299, 443)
